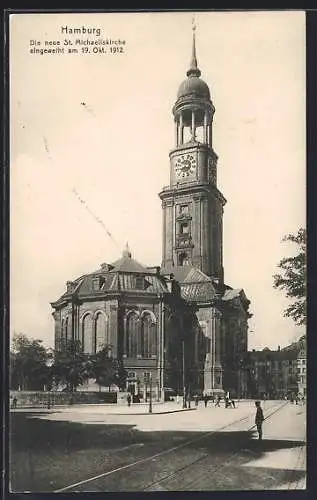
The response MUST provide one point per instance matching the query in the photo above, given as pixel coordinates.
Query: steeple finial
(194, 70)
(126, 252)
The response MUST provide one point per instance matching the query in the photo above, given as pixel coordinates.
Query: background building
(276, 374)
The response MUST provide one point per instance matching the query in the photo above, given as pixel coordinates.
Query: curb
(155, 412)
(58, 410)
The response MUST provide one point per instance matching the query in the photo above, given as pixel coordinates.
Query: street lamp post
(184, 388)
(150, 404)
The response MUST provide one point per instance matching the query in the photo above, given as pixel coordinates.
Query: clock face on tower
(185, 165)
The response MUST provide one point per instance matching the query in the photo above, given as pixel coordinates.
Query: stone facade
(193, 208)
(136, 311)
(179, 325)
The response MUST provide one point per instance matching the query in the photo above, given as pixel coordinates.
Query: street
(94, 448)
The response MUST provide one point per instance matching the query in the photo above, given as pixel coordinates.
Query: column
(205, 127)
(217, 368)
(213, 346)
(113, 329)
(196, 222)
(181, 127)
(210, 134)
(169, 233)
(193, 125)
(205, 235)
(176, 132)
(164, 231)
(162, 350)
(57, 317)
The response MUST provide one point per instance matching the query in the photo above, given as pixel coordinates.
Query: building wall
(272, 373)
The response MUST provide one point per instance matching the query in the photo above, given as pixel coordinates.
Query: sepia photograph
(157, 251)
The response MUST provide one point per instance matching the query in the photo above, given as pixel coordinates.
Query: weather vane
(193, 23)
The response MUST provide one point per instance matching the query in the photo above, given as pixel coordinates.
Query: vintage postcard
(157, 251)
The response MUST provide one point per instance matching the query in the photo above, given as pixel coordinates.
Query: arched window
(148, 336)
(88, 335)
(132, 335)
(183, 259)
(101, 331)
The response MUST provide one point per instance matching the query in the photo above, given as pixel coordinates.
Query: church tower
(192, 204)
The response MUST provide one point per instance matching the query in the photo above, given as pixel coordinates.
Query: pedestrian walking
(205, 398)
(259, 418)
(14, 402)
(196, 400)
(188, 400)
(129, 399)
(217, 401)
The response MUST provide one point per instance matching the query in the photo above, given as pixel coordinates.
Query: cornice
(204, 189)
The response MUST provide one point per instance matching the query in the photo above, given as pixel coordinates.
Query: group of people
(229, 402)
(13, 402)
(297, 399)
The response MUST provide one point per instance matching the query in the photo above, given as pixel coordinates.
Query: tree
(292, 278)
(29, 368)
(108, 370)
(71, 366)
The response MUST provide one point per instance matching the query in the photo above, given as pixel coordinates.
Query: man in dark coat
(259, 418)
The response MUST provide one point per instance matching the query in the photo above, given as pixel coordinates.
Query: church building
(179, 324)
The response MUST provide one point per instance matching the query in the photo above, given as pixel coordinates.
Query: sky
(90, 135)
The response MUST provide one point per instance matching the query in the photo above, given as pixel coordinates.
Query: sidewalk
(113, 409)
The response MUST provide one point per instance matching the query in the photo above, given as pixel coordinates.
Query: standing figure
(196, 400)
(205, 398)
(217, 401)
(129, 399)
(259, 418)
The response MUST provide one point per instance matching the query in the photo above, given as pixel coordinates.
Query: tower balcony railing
(183, 184)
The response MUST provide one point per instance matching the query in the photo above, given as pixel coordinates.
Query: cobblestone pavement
(206, 449)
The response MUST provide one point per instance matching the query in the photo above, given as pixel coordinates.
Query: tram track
(161, 454)
(155, 484)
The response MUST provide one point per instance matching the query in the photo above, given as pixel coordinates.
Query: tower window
(183, 259)
(139, 282)
(184, 228)
(183, 209)
(146, 376)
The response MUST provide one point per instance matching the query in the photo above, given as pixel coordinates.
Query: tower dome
(195, 87)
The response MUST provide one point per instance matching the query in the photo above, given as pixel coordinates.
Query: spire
(126, 252)
(193, 70)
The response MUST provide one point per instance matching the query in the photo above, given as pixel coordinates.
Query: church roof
(194, 87)
(198, 292)
(187, 274)
(232, 294)
(195, 285)
(128, 265)
(125, 274)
